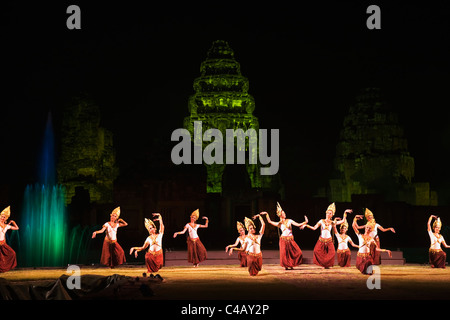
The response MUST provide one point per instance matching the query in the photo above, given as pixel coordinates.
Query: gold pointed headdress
(344, 224)
(332, 208)
(6, 212)
(437, 223)
(239, 225)
(148, 223)
(196, 214)
(370, 222)
(248, 223)
(368, 213)
(116, 211)
(279, 209)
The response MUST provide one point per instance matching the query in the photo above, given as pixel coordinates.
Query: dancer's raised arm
(263, 225)
(355, 224)
(206, 223)
(161, 224)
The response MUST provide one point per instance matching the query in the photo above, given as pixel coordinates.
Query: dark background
(305, 65)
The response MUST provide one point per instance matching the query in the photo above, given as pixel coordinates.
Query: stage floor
(231, 282)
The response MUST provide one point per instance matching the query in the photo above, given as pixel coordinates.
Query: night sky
(306, 63)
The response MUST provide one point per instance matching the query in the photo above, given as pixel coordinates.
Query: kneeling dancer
(364, 258)
(154, 258)
(242, 256)
(252, 245)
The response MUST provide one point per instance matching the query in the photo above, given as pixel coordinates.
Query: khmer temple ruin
(87, 158)
(372, 155)
(221, 101)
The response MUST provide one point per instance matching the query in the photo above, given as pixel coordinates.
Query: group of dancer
(248, 245)
(324, 251)
(113, 254)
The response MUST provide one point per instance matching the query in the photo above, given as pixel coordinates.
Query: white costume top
(241, 242)
(364, 247)
(286, 228)
(374, 232)
(3, 231)
(325, 231)
(253, 246)
(111, 233)
(435, 241)
(155, 245)
(343, 242)
(192, 230)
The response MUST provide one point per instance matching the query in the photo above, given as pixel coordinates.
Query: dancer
(290, 253)
(112, 253)
(242, 256)
(436, 254)
(252, 245)
(154, 258)
(374, 234)
(364, 258)
(196, 250)
(8, 259)
(344, 256)
(324, 252)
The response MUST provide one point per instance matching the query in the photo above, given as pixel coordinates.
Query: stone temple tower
(372, 155)
(88, 158)
(221, 101)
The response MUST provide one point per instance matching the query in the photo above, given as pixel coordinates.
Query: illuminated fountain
(44, 222)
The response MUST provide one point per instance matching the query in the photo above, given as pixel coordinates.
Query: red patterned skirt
(254, 263)
(8, 259)
(242, 256)
(437, 258)
(324, 252)
(112, 253)
(344, 257)
(290, 253)
(154, 260)
(196, 251)
(376, 255)
(363, 261)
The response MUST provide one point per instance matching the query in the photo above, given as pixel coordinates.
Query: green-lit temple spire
(221, 101)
